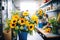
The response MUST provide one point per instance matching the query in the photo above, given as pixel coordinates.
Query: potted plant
(54, 23)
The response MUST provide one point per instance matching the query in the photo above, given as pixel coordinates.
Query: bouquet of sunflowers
(20, 21)
(40, 13)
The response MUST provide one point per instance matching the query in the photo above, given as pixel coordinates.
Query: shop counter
(47, 36)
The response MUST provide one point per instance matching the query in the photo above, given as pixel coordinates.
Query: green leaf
(35, 30)
(21, 28)
(26, 29)
(30, 32)
(16, 31)
(16, 28)
(7, 28)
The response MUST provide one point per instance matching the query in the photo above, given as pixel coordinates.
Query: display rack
(56, 10)
(52, 2)
(48, 3)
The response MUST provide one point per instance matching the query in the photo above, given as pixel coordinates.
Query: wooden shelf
(44, 5)
(55, 10)
(48, 35)
(48, 3)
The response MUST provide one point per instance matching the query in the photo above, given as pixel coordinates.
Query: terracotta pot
(7, 34)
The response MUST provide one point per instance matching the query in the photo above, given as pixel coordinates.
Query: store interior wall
(51, 12)
(31, 6)
(9, 8)
(6, 13)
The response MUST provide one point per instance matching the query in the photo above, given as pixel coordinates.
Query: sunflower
(16, 16)
(31, 27)
(22, 21)
(25, 13)
(40, 12)
(14, 20)
(12, 25)
(34, 17)
(36, 21)
(26, 23)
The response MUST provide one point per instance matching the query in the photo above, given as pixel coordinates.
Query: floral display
(22, 22)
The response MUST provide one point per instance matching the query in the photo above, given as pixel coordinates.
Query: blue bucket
(22, 35)
(40, 25)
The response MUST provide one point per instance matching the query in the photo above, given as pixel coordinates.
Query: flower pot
(54, 31)
(22, 35)
(7, 34)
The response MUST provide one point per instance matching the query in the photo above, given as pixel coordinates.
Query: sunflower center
(22, 21)
(30, 26)
(16, 17)
(35, 21)
(13, 24)
(14, 21)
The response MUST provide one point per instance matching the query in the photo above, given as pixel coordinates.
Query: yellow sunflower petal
(22, 21)
(31, 27)
(15, 16)
(27, 23)
(40, 12)
(12, 25)
(34, 17)
(36, 21)
(14, 20)
(26, 13)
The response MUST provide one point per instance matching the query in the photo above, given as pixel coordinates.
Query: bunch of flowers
(40, 13)
(22, 22)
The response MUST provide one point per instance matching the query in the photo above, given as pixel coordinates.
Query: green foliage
(54, 30)
(35, 30)
(53, 22)
(30, 32)
(21, 28)
(7, 28)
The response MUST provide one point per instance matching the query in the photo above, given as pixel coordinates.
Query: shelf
(48, 3)
(56, 10)
(45, 4)
(48, 35)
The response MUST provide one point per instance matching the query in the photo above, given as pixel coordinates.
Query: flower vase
(22, 35)
(54, 31)
(40, 24)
